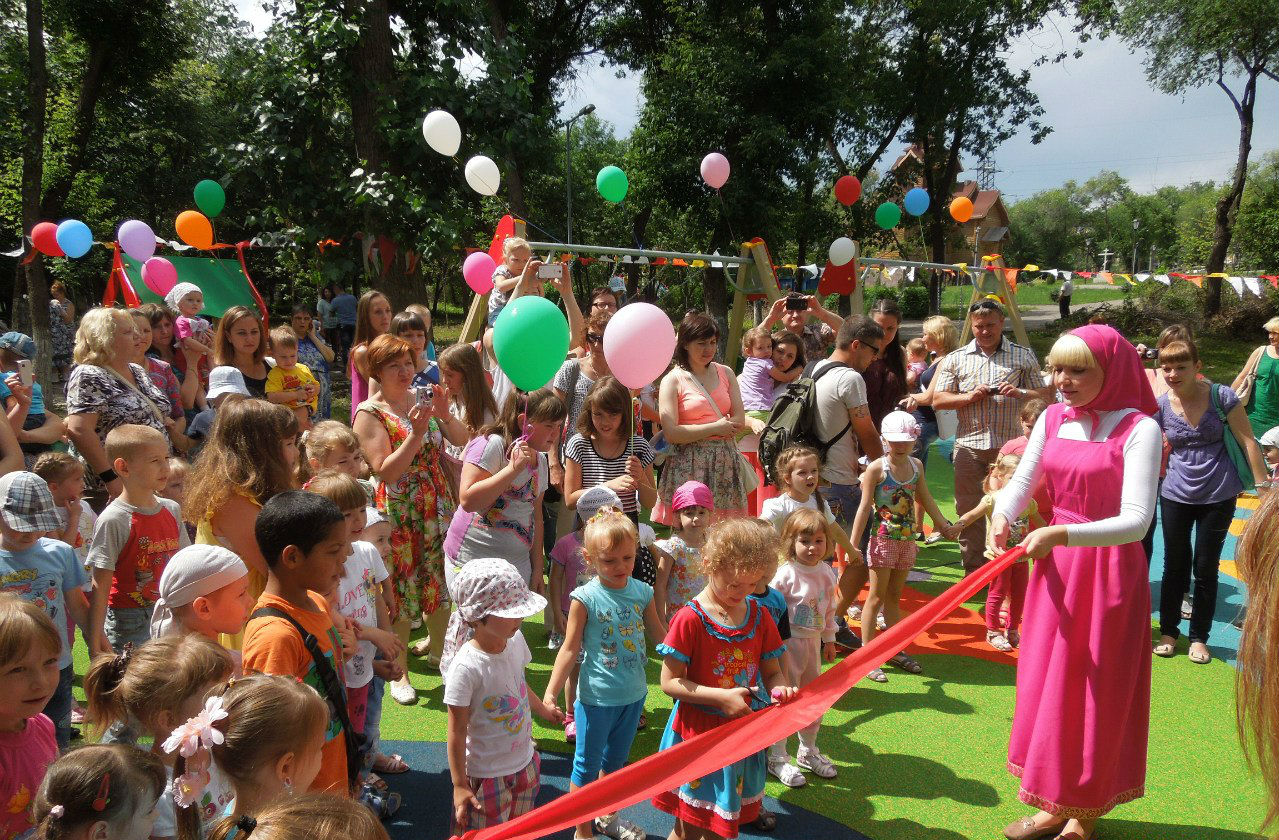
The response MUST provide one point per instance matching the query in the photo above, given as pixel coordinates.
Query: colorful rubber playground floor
(920, 757)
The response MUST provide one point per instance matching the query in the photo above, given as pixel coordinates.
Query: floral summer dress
(722, 657)
(419, 506)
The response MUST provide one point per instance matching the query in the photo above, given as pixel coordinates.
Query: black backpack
(793, 420)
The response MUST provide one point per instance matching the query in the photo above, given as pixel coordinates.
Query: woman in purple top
(1198, 492)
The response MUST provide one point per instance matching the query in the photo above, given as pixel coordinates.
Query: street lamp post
(568, 170)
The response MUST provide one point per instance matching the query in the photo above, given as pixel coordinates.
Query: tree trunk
(54, 201)
(1228, 204)
(37, 306)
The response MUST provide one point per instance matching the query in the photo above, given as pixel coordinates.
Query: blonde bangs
(1071, 351)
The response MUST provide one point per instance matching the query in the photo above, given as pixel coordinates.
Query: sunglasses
(592, 338)
(986, 306)
(877, 350)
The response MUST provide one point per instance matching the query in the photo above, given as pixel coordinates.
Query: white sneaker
(854, 614)
(787, 773)
(933, 538)
(880, 623)
(403, 693)
(816, 762)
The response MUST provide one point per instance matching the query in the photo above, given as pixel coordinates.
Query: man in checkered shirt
(985, 382)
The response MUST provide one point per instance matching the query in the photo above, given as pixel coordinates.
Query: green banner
(223, 282)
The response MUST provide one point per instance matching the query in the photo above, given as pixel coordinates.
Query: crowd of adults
(1117, 441)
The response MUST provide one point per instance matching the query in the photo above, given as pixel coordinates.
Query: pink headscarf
(1126, 385)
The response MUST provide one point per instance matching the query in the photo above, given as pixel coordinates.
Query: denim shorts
(128, 624)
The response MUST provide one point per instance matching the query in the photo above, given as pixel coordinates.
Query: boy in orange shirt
(304, 539)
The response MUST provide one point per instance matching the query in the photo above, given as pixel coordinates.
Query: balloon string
(723, 212)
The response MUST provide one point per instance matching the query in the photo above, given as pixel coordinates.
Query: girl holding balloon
(701, 411)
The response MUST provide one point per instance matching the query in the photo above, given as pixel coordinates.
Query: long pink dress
(1083, 677)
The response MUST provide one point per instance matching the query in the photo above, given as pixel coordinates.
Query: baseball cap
(692, 493)
(19, 344)
(1271, 437)
(899, 427)
(225, 379)
(27, 504)
(599, 496)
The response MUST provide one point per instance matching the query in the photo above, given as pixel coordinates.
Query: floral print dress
(419, 506)
(62, 333)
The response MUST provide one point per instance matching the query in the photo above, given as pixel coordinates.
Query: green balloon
(209, 197)
(530, 339)
(612, 184)
(887, 215)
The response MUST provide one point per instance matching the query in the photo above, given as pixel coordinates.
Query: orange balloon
(961, 210)
(195, 229)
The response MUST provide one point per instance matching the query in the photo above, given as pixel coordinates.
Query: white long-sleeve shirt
(1137, 495)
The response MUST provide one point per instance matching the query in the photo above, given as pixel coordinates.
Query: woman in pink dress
(1083, 680)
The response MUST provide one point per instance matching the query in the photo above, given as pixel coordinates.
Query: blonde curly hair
(95, 338)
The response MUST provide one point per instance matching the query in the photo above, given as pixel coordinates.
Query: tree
(1190, 43)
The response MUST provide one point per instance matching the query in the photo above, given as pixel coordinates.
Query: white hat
(178, 292)
(191, 573)
(483, 587)
(373, 516)
(599, 496)
(1271, 437)
(225, 379)
(899, 427)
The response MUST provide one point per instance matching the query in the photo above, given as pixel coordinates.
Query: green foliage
(873, 294)
(914, 301)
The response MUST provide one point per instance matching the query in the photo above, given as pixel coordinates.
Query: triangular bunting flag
(1251, 284)
(716, 263)
(1272, 279)
(1142, 278)
(1195, 278)
(910, 275)
(1052, 272)
(1164, 278)
(1236, 284)
(1087, 275)
(697, 264)
(1107, 277)
(1127, 278)
(1010, 277)
(1030, 267)
(1066, 275)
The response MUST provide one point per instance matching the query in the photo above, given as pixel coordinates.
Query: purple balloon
(137, 239)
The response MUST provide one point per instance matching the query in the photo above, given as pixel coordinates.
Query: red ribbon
(738, 738)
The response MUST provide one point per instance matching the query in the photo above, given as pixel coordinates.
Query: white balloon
(842, 251)
(442, 132)
(483, 176)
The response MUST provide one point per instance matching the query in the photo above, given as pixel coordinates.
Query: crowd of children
(242, 631)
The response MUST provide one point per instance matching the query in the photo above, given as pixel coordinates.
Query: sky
(1104, 113)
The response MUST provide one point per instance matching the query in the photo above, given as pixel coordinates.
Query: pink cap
(899, 427)
(692, 493)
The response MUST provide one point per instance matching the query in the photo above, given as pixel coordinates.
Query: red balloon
(45, 237)
(848, 189)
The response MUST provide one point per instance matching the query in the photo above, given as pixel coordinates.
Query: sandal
(1200, 657)
(390, 765)
(1166, 649)
(999, 641)
(766, 821)
(373, 780)
(907, 664)
(877, 675)
(421, 647)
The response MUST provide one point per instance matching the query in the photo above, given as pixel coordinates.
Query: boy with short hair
(291, 383)
(65, 476)
(303, 537)
(43, 571)
(134, 537)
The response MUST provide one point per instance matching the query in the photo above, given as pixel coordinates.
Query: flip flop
(389, 765)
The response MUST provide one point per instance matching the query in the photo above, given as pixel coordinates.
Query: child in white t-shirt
(492, 759)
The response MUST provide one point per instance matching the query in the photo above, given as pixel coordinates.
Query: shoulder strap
(706, 393)
(334, 691)
(825, 446)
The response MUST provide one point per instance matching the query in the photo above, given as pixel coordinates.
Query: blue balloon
(74, 238)
(916, 202)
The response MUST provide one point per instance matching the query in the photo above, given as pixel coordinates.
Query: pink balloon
(715, 170)
(639, 343)
(478, 270)
(159, 275)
